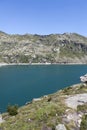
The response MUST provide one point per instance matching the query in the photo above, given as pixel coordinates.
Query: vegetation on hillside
(48, 110)
(12, 110)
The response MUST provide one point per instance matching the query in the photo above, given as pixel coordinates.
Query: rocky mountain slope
(53, 48)
(63, 110)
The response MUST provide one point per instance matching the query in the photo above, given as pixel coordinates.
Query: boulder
(61, 127)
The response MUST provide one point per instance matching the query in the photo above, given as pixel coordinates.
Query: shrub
(83, 125)
(49, 99)
(12, 110)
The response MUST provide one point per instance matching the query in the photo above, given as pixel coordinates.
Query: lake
(22, 83)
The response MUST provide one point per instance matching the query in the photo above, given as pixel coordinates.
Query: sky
(43, 16)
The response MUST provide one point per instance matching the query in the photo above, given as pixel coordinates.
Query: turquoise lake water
(22, 83)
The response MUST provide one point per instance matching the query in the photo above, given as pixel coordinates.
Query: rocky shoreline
(9, 64)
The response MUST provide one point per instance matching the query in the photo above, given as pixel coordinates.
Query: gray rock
(75, 100)
(46, 128)
(60, 127)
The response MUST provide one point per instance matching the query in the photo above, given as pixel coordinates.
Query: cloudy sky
(43, 16)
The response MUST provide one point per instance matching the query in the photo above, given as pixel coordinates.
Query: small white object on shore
(1, 120)
(37, 99)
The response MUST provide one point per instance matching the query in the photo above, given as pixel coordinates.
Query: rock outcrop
(84, 78)
(60, 127)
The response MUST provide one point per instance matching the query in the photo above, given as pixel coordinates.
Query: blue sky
(43, 16)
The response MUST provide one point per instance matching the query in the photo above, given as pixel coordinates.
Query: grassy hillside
(51, 111)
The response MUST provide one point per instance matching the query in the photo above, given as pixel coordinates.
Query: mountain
(63, 110)
(53, 48)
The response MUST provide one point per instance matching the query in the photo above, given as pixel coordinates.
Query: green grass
(84, 123)
(49, 111)
(35, 115)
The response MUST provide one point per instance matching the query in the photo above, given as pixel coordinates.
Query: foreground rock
(75, 100)
(60, 127)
